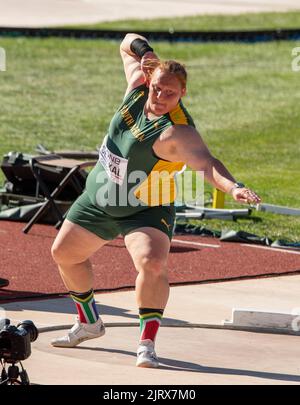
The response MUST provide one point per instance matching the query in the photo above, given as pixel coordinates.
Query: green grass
(206, 22)
(244, 99)
(263, 224)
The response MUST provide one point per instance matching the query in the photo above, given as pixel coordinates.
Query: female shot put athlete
(151, 132)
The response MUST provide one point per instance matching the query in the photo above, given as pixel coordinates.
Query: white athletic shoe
(146, 356)
(79, 333)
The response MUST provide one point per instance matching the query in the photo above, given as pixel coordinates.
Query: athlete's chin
(159, 109)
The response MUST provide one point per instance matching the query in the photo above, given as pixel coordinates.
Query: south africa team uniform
(130, 187)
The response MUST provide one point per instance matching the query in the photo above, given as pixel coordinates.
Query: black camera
(15, 341)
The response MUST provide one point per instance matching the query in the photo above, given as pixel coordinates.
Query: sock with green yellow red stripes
(86, 306)
(150, 320)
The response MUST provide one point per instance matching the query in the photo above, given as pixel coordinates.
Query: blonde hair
(168, 66)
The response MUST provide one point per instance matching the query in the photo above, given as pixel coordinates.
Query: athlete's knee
(63, 255)
(155, 265)
(58, 253)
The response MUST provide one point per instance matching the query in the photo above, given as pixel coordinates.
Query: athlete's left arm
(183, 143)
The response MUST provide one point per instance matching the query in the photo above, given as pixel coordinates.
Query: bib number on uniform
(114, 165)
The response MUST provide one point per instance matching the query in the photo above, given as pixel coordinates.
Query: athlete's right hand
(148, 63)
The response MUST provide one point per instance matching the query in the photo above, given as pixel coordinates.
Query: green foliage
(207, 22)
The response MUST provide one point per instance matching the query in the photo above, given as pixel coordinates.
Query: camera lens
(30, 328)
(4, 322)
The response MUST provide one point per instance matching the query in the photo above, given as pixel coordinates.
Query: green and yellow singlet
(128, 176)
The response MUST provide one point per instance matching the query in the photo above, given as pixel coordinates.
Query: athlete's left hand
(245, 195)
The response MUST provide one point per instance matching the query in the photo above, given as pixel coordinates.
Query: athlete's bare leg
(149, 248)
(71, 250)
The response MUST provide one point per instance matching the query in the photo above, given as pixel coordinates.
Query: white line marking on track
(195, 243)
(270, 248)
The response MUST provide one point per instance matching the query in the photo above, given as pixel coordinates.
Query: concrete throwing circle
(187, 356)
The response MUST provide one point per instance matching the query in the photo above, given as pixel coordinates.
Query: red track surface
(26, 261)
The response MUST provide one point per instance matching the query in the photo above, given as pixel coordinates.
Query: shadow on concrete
(178, 365)
(66, 306)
